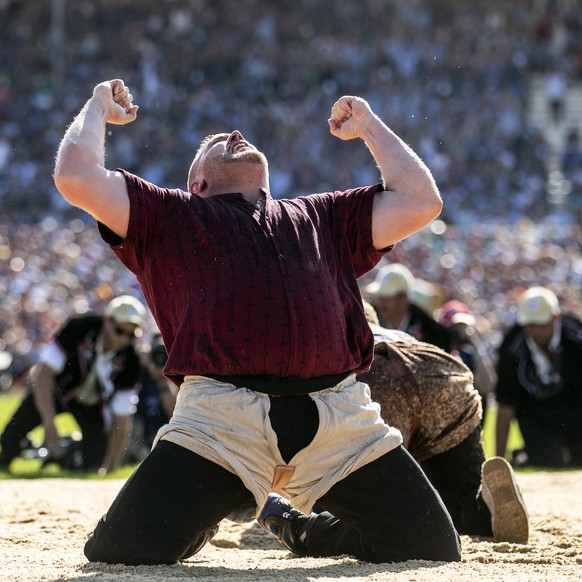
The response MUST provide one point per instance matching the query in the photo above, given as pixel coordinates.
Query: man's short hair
(194, 165)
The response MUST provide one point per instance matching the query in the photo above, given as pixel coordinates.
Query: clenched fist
(118, 102)
(349, 116)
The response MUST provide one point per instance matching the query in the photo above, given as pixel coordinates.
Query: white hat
(392, 280)
(126, 309)
(537, 305)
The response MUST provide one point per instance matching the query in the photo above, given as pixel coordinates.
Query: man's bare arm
(80, 173)
(412, 199)
(42, 380)
(505, 415)
(119, 436)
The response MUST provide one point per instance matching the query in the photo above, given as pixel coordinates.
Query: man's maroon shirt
(239, 291)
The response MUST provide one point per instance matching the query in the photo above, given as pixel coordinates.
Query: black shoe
(203, 538)
(287, 524)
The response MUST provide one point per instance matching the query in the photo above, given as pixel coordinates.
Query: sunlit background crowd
(456, 82)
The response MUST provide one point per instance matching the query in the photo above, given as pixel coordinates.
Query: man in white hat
(90, 369)
(539, 372)
(390, 294)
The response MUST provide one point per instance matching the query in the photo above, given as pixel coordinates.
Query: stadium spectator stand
(455, 82)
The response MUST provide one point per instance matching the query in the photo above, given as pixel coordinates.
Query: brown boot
(503, 498)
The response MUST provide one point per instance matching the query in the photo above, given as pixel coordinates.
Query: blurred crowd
(454, 83)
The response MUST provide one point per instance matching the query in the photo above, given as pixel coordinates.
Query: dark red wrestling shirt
(236, 290)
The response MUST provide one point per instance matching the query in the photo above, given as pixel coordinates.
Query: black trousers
(27, 417)
(556, 447)
(456, 475)
(386, 511)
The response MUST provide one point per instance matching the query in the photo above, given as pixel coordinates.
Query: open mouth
(237, 147)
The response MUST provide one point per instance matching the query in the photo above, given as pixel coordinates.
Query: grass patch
(23, 468)
(514, 438)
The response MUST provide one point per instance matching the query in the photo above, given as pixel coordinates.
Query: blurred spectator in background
(572, 161)
(466, 345)
(556, 87)
(390, 295)
(91, 370)
(539, 382)
(157, 398)
(461, 99)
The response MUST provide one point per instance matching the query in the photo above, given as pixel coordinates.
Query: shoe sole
(503, 498)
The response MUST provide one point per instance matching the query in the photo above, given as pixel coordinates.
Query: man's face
(224, 160)
(230, 148)
(394, 306)
(121, 335)
(541, 333)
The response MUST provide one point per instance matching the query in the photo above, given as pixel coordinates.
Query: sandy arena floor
(44, 523)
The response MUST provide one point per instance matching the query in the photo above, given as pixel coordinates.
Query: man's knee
(113, 546)
(98, 548)
(445, 548)
(438, 547)
(104, 547)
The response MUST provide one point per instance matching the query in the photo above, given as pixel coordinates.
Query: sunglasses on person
(123, 332)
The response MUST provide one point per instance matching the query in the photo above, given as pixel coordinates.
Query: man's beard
(247, 156)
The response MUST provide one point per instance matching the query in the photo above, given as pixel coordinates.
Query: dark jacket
(78, 339)
(424, 328)
(557, 402)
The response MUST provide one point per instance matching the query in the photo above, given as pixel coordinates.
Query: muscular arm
(80, 174)
(412, 199)
(504, 417)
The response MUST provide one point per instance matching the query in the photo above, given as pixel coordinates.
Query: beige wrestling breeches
(230, 426)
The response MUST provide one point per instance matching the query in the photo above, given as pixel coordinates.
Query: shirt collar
(554, 342)
(238, 195)
(227, 196)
